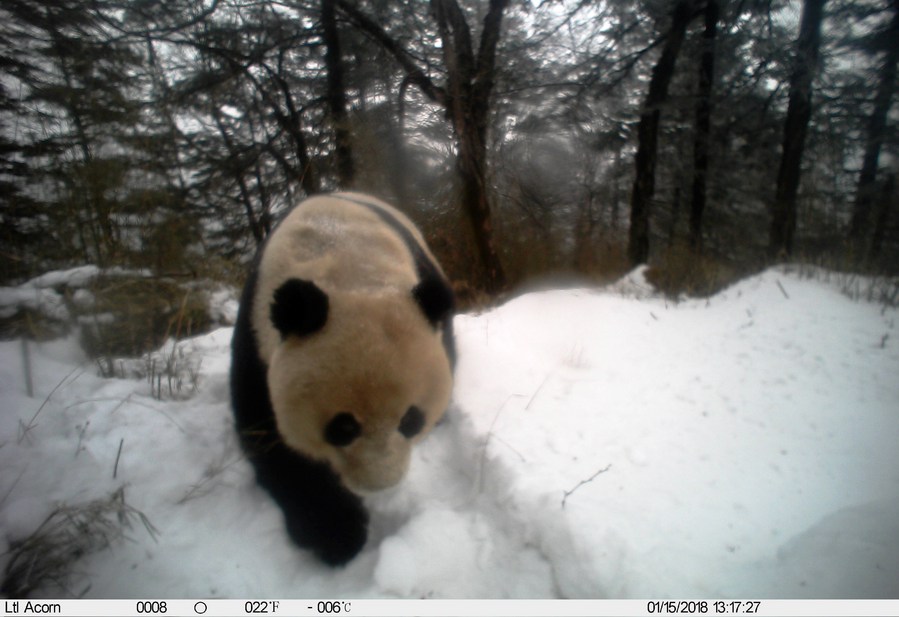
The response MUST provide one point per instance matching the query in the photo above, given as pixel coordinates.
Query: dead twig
(583, 482)
(537, 391)
(115, 469)
(9, 492)
(205, 485)
(24, 428)
(782, 290)
(479, 470)
(26, 367)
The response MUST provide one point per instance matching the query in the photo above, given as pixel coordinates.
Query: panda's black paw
(335, 534)
(342, 546)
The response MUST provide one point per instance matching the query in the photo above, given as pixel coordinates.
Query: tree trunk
(466, 99)
(799, 112)
(648, 134)
(867, 179)
(469, 85)
(703, 125)
(615, 210)
(887, 197)
(336, 96)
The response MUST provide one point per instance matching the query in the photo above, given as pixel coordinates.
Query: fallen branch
(583, 482)
(115, 469)
(782, 290)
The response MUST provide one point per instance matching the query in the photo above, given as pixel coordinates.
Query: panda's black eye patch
(342, 429)
(299, 307)
(412, 423)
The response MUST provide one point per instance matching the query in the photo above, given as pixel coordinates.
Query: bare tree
(466, 99)
(703, 124)
(799, 112)
(648, 132)
(337, 100)
(877, 122)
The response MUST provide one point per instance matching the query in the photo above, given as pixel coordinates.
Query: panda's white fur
(377, 354)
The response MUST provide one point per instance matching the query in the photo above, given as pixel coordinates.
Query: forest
(705, 138)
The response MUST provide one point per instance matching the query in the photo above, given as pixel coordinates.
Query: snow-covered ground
(601, 443)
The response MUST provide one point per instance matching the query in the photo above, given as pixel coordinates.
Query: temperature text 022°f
(260, 607)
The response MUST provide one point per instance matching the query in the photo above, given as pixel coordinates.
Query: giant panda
(342, 360)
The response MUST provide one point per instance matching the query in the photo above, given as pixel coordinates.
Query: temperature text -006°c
(332, 607)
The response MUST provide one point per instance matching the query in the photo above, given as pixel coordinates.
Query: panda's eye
(412, 423)
(342, 429)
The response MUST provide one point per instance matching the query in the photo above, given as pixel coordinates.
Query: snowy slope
(601, 443)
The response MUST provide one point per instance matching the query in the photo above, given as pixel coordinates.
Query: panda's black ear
(299, 307)
(435, 298)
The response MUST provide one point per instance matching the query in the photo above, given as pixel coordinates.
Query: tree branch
(483, 81)
(414, 73)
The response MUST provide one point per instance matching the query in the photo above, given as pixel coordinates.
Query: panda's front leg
(320, 513)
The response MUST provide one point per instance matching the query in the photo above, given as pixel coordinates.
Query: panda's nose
(373, 470)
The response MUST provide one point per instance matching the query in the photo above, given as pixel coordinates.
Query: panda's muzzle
(375, 464)
(373, 459)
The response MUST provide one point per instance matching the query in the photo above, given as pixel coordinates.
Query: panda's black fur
(320, 512)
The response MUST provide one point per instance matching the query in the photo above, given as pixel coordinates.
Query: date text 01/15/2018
(703, 607)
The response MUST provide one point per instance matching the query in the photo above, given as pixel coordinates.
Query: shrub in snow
(139, 314)
(116, 312)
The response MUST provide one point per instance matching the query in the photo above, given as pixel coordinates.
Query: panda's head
(358, 378)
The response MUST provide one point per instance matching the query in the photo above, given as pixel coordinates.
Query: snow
(72, 277)
(50, 303)
(601, 443)
(43, 293)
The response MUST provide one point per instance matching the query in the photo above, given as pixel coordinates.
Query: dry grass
(873, 287)
(48, 556)
(679, 271)
(173, 375)
(133, 315)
